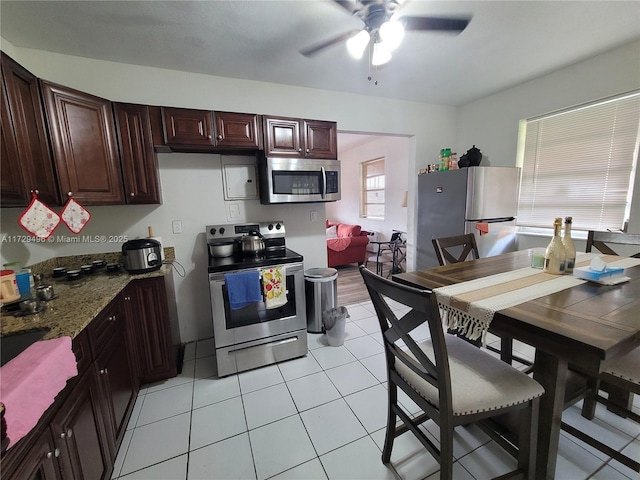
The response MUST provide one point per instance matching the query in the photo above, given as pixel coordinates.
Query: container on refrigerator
(479, 200)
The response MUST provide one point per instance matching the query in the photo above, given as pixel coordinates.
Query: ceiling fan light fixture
(381, 54)
(357, 44)
(392, 33)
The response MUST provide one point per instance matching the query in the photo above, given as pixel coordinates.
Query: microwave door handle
(324, 182)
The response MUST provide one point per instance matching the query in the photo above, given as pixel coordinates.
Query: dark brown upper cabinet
(321, 139)
(137, 156)
(296, 138)
(27, 166)
(185, 127)
(191, 130)
(83, 138)
(238, 130)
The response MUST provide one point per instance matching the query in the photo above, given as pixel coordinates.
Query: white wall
(492, 122)
(192, 183)
(396, 152)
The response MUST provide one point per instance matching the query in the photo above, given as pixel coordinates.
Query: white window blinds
(580, 163)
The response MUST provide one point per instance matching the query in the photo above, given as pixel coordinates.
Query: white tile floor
(317, 417)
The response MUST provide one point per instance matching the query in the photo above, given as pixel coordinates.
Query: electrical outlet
(176, 226)
(314, 216)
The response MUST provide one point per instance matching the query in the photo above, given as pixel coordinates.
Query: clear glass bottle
(555, 256)
(569, 247)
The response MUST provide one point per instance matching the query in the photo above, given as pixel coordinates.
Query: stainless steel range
(257, 334)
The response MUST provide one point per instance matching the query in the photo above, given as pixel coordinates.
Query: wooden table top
(588, 324)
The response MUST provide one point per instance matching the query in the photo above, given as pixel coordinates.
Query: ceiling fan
(384, 28)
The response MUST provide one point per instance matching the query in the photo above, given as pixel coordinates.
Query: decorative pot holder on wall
(75, 216)
(38, 219)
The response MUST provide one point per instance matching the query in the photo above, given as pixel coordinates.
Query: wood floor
(351, 287)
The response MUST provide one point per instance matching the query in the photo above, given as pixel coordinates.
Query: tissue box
(586, 273)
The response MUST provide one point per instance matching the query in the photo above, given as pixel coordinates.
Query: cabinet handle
(132, 194)
(69, 433)
(219, 137)
(209, 136)
(300, 149)
(307, 150)
(104, 371)
(69, 194)
(36, 191)
(127, 298)
(55, 453)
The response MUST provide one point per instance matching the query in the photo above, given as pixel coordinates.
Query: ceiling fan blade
(314, 49)
(348, 5)
(439, 24)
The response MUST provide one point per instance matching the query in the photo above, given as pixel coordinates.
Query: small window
(580, 162)
(372, 180)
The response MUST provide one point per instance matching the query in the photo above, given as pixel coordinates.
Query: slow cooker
(141, 255)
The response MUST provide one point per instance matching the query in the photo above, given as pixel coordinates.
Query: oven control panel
(274, 229)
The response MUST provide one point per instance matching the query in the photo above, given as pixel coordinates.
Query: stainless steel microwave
(298, 180)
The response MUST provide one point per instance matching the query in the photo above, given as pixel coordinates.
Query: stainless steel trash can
(321, 291)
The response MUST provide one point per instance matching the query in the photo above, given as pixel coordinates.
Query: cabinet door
(40, 462)
(237, 130)
(139, 164)
(282, 137)
(321, 139)
(187, 127)
(84, 145)
(117, 381)
(27, 152)
(12, 190)
(79, 432)
(148, 311)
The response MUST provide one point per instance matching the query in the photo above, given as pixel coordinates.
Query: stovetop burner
(273, 235)
(239, 261)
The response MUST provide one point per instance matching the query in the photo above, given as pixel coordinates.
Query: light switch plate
(176, 226)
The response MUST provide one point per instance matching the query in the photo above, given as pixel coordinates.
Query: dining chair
(455, 249)
(621, 378)
(601, 241)
(453, 382)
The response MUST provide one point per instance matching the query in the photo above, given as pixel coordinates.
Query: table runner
(468, 307)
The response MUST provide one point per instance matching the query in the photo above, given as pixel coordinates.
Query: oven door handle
(274, 344)
(323, 191)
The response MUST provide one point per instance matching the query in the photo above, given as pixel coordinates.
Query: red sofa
(349, 245)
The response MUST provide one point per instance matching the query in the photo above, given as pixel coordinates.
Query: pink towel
(30, 382)
(339, 244)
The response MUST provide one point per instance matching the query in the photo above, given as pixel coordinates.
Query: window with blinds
(372, 198)
(581, 162)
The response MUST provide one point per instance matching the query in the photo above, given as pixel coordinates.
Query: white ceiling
(506, 43)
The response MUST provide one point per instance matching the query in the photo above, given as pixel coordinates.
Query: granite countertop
(76, 303)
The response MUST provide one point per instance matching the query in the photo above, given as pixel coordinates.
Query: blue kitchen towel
(243, 288)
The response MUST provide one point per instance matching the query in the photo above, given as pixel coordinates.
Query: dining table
(576, 329)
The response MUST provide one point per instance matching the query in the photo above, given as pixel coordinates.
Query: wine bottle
(569, 247)
(555, 256)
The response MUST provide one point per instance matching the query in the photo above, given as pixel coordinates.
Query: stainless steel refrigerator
(482, 200)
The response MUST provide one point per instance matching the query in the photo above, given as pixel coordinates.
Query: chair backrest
(446, 247)
(423, 310)
(599, 241)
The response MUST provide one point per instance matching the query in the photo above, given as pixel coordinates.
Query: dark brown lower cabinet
(129, 342)
(116, 380)
(41, 461)
(148, 311)
(80, 432)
